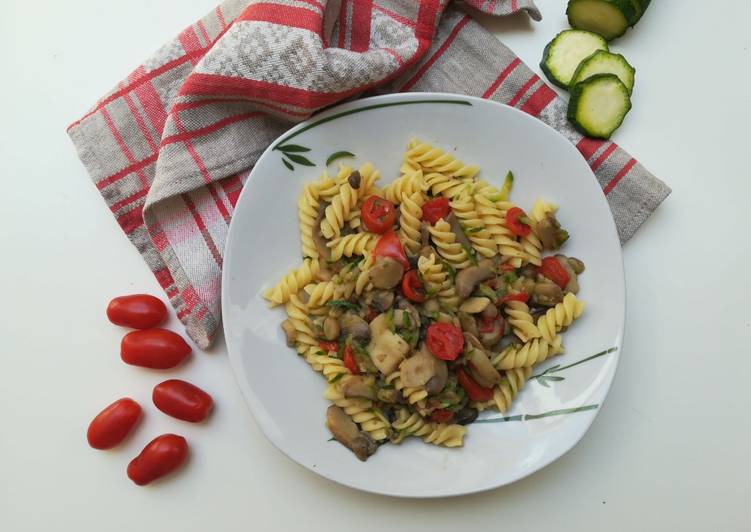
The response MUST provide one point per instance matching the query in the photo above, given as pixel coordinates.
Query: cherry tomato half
(487, 325)
(412, 287)
(113, 424)
(161, 456)
(388, 245)
(435, 209)
(138, 311)
(182, 400)
(519, 296)
(441, 415)
(349, 361)
(474, 390)
(444, 340)
(378, 214)
(328, 346)
(153, 348)
(554, 270)
(516, 222)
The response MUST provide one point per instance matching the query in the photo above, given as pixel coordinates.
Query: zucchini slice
(640, 6)
(564, 53)
(598, 105)
(602, 62)
(609, 18)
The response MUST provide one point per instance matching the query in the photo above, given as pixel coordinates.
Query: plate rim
(250, 399)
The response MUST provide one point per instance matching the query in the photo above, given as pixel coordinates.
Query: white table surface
(669, 450)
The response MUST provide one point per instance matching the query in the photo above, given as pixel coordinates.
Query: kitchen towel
(170, 147)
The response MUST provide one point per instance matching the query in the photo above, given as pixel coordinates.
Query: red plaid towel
(170, 146)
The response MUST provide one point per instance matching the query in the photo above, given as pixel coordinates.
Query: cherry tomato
(516, 221)
(553, 270)
(161, 456)
(378, 214)
(139, 311)
(371, 315)
(441, 415)
(153, 348)
(182, 400)
(488, 324)
(435, 209)
(506, 267)
(474, 390)
(328, 346)
(444, 340)
(390, 246)
(113, 424)
(519, 296)
(412, 287)
(349, 361)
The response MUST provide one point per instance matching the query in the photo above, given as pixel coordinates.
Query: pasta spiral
(437, 281)
(353, 244)
(445, 185)
(407, 424)
(411, 394)
(362, 283)
(494, 218)
(482, 240)
(560, 316)
(410, 220)
(532, 248)
(321, 293)
(526, 355)
(405, 185)
(338, 210)
(521, 321)
(307, 213)
(504, 393)
(448, 247)
(439, 161)
(330, 367)
(297, 314)
(541, 208)
(362, 412)
(292, 283)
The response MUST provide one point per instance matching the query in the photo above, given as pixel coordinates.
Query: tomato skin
(474, 390)
(514, 224)
(553, 270)
(137, 311)
(506, 267)
(349, 361)
(153, 348)
(161, 456)
(488, 324)
(113, 424)
(182, 400)
(435, 209)
(390, 246)
(378, 214)
(520, 296)
(328, 346)
(441, 415)
(412, 287)
(444, 340)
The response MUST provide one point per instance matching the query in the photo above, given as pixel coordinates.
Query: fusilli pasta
(409, 220)
(448, 247)
(560, 316)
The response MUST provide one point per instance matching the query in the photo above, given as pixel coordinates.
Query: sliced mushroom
(387, 349)
(468, 323)
(354, 179)
(424, 237)
(465, 416)
(358, 386)
(471, 340)
(346, 432)
(456, 228)
(576, 265)
(331, 328)
(474, 305)
(354, 326)
(573, 282)
(493, 336)
(388, 395)
(482, 369)
(491, 311)
(468, 278)
(427, 251)
(320, 241)
(530, 270)
(431, 305)
(550, 232)
(406, 306)
(422, 368)
(547, 294)
(380, 300)
(386, 272)
(289, 332)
